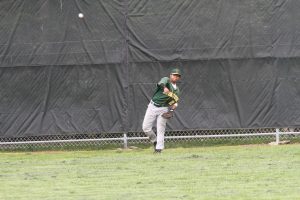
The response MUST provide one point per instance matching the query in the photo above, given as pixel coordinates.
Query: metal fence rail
(263, 135)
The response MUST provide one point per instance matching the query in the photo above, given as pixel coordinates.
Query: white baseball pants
(154, 113)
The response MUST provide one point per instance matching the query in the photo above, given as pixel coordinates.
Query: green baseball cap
(176, 71)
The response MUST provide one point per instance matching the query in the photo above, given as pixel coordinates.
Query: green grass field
(228, 172)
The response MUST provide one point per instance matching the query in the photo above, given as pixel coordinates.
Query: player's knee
(146, 129)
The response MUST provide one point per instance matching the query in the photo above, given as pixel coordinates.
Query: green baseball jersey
(162, 99)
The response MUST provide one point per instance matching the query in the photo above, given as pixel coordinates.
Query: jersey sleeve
(163, 81)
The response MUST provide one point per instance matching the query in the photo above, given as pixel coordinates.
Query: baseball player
(161, 108)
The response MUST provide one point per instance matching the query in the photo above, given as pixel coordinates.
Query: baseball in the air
(80, 15)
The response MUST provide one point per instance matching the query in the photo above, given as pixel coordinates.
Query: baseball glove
(168, 115)
(174, 98)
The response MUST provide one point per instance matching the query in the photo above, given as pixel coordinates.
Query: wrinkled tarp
(61, 74)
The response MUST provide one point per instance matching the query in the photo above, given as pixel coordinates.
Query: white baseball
(80, 15)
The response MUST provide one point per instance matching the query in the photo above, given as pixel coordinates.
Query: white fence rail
(274, 134)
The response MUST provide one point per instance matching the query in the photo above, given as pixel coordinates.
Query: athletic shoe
(157, 151)
(154, 145)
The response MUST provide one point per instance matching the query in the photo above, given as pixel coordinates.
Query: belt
(156, 104)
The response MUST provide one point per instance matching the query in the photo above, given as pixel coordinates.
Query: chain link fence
(128, 140)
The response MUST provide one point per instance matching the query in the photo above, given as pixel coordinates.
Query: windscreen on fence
(62, 74)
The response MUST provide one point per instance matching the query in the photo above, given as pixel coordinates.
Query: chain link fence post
(277, 136)
(125, 140)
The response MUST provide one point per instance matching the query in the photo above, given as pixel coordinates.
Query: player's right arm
(163, 84)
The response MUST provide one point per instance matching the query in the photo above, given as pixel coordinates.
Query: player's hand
(166, 90)
(174, 106)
